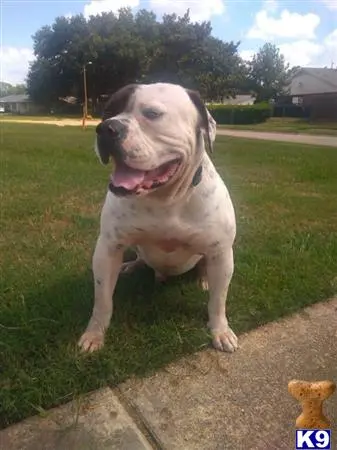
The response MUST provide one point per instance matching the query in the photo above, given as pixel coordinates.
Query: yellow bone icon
(311, 396)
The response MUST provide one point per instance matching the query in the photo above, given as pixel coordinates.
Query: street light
(85, 107)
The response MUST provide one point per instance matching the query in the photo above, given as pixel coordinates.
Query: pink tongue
(126, 177)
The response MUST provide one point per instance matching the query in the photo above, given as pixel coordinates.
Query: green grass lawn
(290, 125)
(52, 190)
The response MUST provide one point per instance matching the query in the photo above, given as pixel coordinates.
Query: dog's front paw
(91, 341)
(225, 341)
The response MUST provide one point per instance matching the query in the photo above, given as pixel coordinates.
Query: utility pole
(85, 105)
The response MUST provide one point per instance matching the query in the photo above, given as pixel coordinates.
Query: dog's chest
(170, 245)
(165, 239)
(167, 232)
(167, 255)
(185, 228)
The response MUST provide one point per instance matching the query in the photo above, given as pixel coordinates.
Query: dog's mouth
(127, 181)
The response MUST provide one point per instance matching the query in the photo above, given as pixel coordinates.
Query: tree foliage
(268, 74)
(10, 89)
(127, 47)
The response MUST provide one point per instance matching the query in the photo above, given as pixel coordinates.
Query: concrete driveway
(329, 141)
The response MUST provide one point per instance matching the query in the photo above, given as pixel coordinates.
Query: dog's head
(156, 135)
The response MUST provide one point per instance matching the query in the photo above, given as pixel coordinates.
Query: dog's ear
(207, 122)
(118, 101)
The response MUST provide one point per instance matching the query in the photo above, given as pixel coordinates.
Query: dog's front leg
(107, 261)
(219, 269)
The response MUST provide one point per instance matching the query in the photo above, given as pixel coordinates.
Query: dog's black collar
(197, 176)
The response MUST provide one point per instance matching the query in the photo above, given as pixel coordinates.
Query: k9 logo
(313, 439)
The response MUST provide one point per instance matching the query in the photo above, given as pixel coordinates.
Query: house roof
(18, 98)
(312, 80)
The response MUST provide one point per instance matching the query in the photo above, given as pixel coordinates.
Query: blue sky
(305, 31)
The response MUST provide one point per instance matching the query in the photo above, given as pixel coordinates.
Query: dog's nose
(113, 128)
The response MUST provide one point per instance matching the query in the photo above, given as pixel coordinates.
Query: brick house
(315, 90)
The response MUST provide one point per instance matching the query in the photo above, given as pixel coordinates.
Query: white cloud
(14, 64)
(331, 40)
(99, 6)
(330, 51)
(287, 25)
(306, 53)
(312, 54)
(270, 5)
(330, 4)
(247, 55)
(68, 15)
(301, 53)
(199, 9)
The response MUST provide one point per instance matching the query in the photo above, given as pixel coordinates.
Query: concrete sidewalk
(329, 141)
(207, 401)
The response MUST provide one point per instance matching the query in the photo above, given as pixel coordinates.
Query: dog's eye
(151, 114)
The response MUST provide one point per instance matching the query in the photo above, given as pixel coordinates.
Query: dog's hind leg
(130, 266)
(159, 278)
(202, 275)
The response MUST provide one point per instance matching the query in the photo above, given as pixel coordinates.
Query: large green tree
(179, 50)
(268, 73)
(125, 48)
(113, 45)
(61, 51)
(220, 74)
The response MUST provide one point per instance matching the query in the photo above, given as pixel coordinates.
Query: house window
(298, 101)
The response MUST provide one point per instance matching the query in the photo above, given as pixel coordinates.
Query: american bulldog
(165, 198)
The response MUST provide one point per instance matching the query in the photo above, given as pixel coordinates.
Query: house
(18, 104)
(314, 90)
(240, 99)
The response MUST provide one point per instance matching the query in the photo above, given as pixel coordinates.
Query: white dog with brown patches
(165, 198)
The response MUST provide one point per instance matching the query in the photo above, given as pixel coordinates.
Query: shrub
(240, 114)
